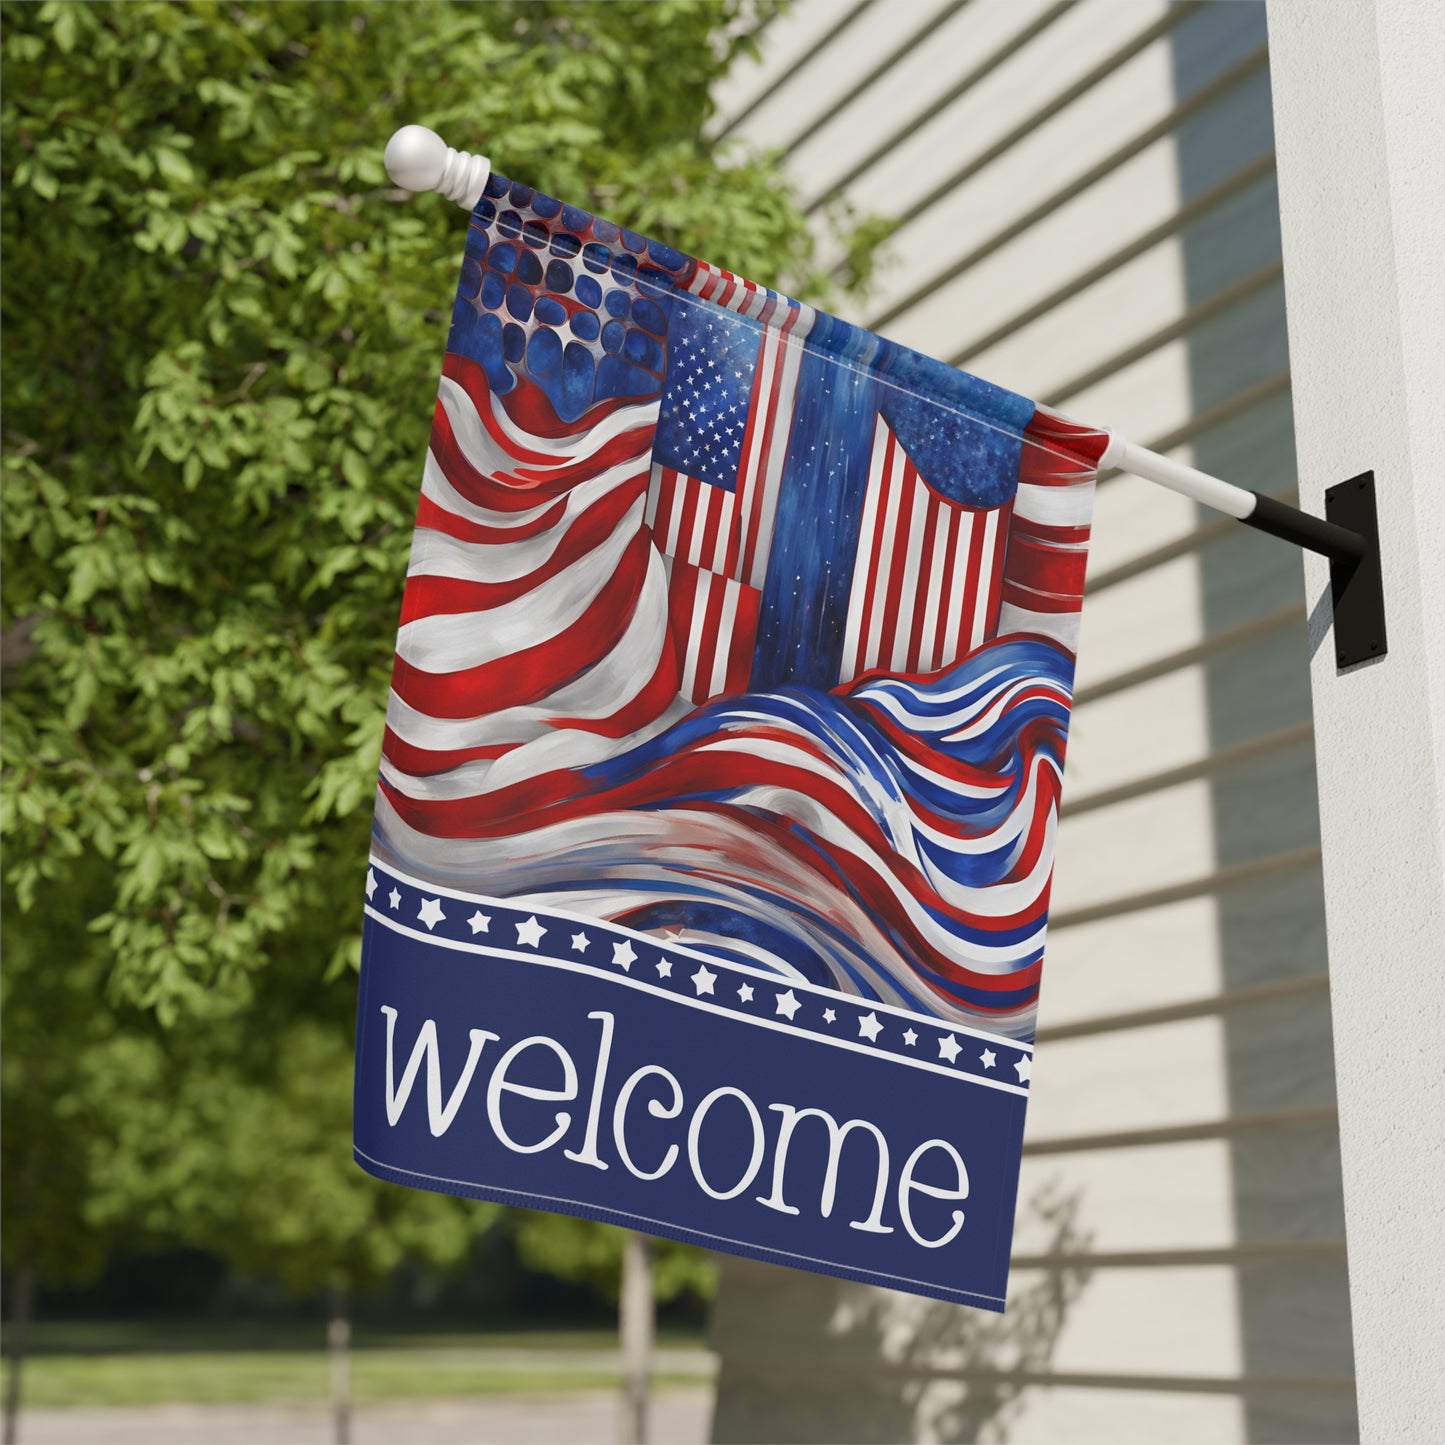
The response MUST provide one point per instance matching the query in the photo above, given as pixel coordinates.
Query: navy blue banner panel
(715, 825)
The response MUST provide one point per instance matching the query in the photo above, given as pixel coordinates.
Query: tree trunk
(338, 1344)
(20, 1312)
(635, 1324)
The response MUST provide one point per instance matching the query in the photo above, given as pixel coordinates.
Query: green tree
(221, 325)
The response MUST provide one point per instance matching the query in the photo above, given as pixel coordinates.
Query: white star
(479, 921)
(530, 932)
(909, 1037)
(988, 1058)
(370, 884)
(394, 898)
(431, 912)
(702, 980)
(948, 1048)
(1024, 1068)
(580, 942)
(745, 992)
(622, 955)
(829, 1015)
(788, 1004)
(664, 968)
(868, 1027)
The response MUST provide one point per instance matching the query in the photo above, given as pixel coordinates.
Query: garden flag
(720, 780)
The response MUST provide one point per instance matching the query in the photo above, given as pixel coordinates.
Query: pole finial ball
(415, 158)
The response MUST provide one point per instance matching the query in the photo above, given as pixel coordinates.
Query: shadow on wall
(916, 1369)
(1292, 1294)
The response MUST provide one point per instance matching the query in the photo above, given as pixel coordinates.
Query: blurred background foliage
(221, 328)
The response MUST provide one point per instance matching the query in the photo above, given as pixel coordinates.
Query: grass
(120, 1365)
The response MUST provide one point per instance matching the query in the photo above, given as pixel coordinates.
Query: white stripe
(958, 593)
(1063, 627)
(554, 751)
(979, 628)
(600, 692)
(1055, 506)
(450, 642)
(727, 512)
(903, 637)
(490, 458)
(853, 644)
(678, 492)
(573, 446)
(723, 646)
(438, 489)
(884, 575)
(931, 658)
(439, 554)
(702, 586)
(654, 493)
(705, 495)
(792, 357)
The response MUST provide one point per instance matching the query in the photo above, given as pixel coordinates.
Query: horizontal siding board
(1111, 966)
(878, 117)
(1139, 1079)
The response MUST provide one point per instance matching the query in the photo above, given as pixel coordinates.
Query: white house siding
(1091, 219)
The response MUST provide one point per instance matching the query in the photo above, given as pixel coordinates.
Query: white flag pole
(418, 159)
(1253, 508)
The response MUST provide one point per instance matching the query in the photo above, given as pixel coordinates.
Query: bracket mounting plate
(1357, 587)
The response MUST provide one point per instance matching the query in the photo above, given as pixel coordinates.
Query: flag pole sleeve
(418, 159)
(1254, 509)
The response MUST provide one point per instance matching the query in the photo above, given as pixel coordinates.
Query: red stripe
(650, 703)
(666, 484)
(543, 471)
(945, 591)
(435, 518)
(473, 381)
(427, 596)
(682, 585)
(966, 640)
(688, 489)
(709, 524)
(532, 673)
(427, 762)
(925, 571)
(1055, 447)
(745, 632)
(1046, 569)
(873, 579)
(712, 639)
(1002, 543)
(903, 509)
(1054, 536)
(1017, 595)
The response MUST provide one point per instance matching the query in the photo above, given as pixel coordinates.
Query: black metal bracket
(1349, 535)
(1357, 590)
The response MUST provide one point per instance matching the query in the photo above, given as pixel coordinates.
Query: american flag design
(728, 621)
